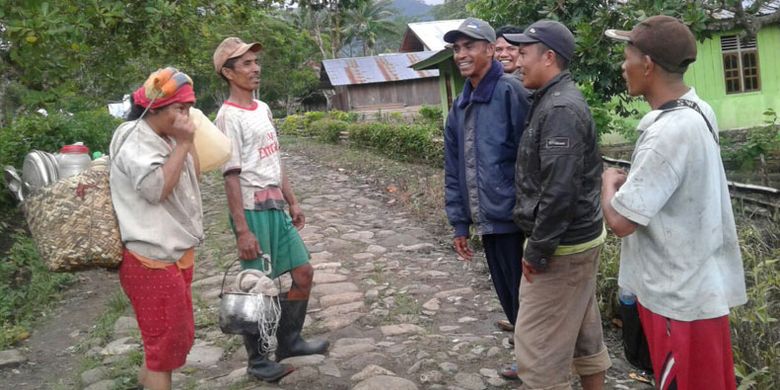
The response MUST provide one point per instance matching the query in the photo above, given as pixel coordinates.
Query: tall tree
(597, 59)
(86, 53)
(368, 21)
(335, 11)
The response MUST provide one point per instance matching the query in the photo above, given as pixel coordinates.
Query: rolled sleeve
(650, 183)
(232, 130)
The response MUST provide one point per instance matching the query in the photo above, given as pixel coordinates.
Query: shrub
(756, 340)
(49, 133)
(328, 130)
(292, 124)
(403, 142)
(432, 114)
(312, 116)
(343, 116)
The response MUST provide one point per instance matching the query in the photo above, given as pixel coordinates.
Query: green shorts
(278, 238)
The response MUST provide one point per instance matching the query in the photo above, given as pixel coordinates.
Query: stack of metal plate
(39, 170)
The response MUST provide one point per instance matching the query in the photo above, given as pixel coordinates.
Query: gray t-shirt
(683, 260)
(151, 228)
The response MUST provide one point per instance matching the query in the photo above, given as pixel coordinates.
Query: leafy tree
(82, 54)
(597, 59)
(335, 13)
(368, 21)
(451, 9)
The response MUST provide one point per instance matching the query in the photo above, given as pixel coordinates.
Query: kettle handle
(266, 260)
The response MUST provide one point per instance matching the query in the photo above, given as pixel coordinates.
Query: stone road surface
(400, 311)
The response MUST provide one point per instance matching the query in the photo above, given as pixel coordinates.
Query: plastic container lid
(74, 149)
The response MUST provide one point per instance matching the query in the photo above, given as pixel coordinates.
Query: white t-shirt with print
(683, 261)
(255, 153)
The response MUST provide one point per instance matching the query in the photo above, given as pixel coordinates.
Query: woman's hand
(183, 129)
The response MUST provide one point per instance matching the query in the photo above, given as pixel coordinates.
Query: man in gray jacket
(558, 183)
(481, 137)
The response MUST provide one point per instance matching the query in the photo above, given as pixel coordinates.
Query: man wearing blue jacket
(481, 139)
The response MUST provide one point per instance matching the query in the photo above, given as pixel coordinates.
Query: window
(740, 64)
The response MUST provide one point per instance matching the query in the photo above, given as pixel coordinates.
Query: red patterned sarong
(162, 301)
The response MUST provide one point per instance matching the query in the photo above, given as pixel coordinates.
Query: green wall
(448, 74)
(743, 109)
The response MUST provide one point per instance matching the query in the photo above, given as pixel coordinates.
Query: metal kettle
(239, 311)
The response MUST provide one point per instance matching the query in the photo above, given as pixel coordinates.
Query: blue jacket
(480, 149)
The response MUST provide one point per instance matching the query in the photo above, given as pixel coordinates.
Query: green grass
(755, 328)
(125, 372)
(206, 314)
(27, 290)
(103, 329)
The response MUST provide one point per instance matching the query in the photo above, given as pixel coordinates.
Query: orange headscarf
(163, 87)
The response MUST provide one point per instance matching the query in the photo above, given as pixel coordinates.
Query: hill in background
(413, 9)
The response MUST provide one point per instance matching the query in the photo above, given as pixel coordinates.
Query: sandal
(509, 372)
(505, 325)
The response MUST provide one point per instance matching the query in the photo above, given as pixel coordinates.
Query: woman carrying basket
(154, 188)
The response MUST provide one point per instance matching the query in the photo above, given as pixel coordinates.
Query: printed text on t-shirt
(270, 149)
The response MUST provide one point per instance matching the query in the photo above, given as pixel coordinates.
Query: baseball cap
(667, 41)
(232, 47)
(553, 34)
(474, 28)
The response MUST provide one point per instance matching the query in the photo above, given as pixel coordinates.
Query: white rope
(267, 308)
(267, 311)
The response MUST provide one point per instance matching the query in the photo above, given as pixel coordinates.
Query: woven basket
(73, 222)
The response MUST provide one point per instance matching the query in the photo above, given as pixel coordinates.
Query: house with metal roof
(384, 82)
(427, 36)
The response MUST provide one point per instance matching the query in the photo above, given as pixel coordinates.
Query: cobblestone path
(400, 311)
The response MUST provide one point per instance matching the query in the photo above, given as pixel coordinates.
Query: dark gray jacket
(558, 174)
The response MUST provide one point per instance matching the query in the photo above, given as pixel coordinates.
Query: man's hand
(461, 245)
(298, 219)
(611, 181)
(248, 247)
(528, 270)
(613, 178)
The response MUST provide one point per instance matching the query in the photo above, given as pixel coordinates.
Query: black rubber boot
(289, 333)
(259, 366)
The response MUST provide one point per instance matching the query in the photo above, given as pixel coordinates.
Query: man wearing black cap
(558, 184)
(680, 255)
(481, 137)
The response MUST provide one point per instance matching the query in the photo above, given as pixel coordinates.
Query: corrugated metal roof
(431, 34)
(768, 8)
(376, 69)
(433, 61)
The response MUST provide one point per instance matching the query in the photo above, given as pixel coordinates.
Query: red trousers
(689, 355)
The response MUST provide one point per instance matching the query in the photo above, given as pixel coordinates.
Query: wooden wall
(391, 94)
